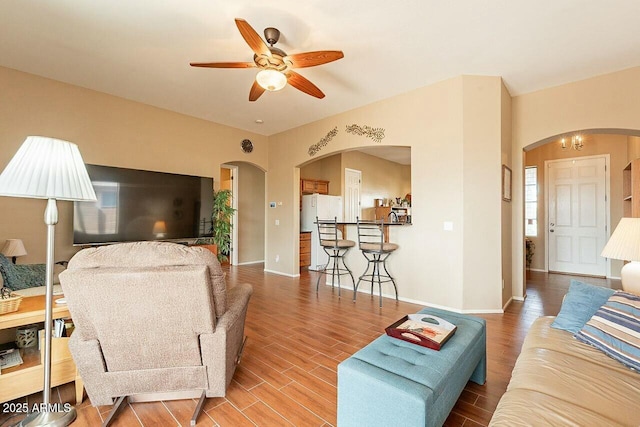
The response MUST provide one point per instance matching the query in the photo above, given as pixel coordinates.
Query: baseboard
(521, 299)
(251, 262)
(539, 270)
(504, 307)
(423, 303)
(280, 273)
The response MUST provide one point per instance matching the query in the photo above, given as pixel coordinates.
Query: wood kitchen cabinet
(305, 249)
(310, 186)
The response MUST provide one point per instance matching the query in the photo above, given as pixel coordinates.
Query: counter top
(384, 223)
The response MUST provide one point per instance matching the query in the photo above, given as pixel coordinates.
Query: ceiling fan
(276, 67)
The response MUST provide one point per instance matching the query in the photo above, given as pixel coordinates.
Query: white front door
(577, 215)
(352, 180)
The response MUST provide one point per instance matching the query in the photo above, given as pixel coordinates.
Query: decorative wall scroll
(315, 148)
(377, 134)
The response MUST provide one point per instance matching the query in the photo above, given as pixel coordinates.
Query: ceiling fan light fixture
(271, 80)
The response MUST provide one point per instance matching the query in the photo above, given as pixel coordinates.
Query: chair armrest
(238, 298)
(220, 349)
(87, 355)
(90, 364)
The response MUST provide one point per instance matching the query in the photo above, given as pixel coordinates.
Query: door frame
(607, 202)
(233, 260)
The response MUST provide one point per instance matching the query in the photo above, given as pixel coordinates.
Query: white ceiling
(141, 50)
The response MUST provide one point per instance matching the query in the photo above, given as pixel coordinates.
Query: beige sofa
(153, 318)
(560, 381)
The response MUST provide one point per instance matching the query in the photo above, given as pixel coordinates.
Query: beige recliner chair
(153, 320)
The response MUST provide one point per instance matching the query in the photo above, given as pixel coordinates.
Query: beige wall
(109, 131)
(598, 144)
(506, 207)
(251, 212)
(454, 131)
(608, 102)
(633, 148)
(482, 178)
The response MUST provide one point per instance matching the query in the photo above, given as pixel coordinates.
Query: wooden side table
(28, 377)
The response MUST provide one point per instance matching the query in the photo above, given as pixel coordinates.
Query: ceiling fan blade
(311, 59)
(223, 64)
(304, 85)
(256, 91)
(252, 38)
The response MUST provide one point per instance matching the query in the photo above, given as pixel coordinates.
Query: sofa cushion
(8, 272)
(560, 381)
(19, 277)
(580, 303)
(615, 329)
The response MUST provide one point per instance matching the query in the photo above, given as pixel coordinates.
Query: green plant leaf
(221, 222)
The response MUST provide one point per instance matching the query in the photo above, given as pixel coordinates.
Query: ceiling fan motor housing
(274, 62)
(271, 35)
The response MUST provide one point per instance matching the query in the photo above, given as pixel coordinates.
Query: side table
(28, 377)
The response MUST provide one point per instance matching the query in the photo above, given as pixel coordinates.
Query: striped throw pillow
(615, 329)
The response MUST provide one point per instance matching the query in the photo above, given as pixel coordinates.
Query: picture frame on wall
(506, 183)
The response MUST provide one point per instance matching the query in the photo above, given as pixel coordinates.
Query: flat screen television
(136, 205)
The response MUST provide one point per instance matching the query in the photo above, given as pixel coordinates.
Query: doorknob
(550, 231)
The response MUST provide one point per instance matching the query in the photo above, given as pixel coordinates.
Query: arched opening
(545, 200)
(370, 182)
(248, 184)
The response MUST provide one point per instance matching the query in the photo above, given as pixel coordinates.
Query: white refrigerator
(323, 207)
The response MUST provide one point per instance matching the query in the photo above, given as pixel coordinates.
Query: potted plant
(220, 225)
(531, 248)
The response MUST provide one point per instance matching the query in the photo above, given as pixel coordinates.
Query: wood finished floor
(296, 340)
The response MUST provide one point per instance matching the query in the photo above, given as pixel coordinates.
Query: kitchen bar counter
(342, 227)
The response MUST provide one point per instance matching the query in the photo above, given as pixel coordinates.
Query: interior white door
(352, 181)
(577, 216)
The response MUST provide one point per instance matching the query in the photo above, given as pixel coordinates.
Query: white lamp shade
(47, 168)
(624, 243)
(271, 80)
(14, 247)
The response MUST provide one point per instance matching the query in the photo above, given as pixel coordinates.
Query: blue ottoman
(391, 382)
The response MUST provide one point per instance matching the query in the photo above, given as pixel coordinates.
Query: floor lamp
(47, 168)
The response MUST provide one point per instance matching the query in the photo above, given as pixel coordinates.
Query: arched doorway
(620, 147)
(248, 185)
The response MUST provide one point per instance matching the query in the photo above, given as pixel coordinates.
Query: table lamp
(624, 244)
(48, 168)
(14, 248)
(159, 229)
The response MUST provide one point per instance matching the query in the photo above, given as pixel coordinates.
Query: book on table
(422, 329)
(10, 358)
